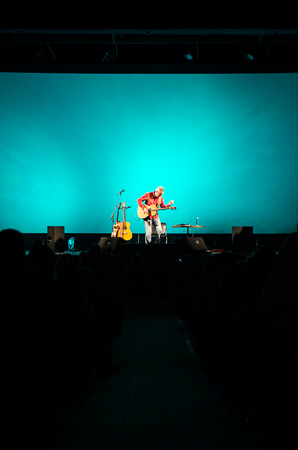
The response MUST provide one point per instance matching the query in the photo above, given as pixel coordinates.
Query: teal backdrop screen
(224, 147)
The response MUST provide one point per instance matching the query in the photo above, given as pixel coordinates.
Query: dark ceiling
(237, 37)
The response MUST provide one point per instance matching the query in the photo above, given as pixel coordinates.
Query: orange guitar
(124, 231)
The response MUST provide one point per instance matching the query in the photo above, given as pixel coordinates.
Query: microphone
(197, 221)
(120, 192)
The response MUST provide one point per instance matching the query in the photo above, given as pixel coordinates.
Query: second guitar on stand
(124, 227)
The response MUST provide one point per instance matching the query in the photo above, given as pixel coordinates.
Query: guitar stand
(112, 216)
(118, 228)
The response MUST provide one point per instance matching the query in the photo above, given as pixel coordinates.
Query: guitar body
(142, 214)
(115, 229)
(124, 231)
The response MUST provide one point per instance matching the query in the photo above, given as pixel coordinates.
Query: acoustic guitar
(124, 232)
(152, 211)
(116, 226)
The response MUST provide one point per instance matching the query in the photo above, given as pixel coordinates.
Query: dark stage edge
(213, 241)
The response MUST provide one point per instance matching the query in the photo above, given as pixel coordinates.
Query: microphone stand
(112, 216)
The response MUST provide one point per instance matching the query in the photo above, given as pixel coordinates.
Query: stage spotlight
(250, 57)
(188, 56)
(192, 53)
(71, 244)
(110, 55)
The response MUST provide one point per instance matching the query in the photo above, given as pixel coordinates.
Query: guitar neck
(158, 209)
(118, 213)
(124, 206)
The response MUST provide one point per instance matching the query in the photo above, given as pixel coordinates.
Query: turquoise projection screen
(224, 146)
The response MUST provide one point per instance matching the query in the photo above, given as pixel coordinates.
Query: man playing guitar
(153, 200)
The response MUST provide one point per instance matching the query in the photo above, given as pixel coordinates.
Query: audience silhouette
(241, 311)
(57, 323)
(61, 312)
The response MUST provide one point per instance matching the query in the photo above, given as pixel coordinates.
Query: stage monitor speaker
(56, 239)
(110, 244)
(197, 243)
(242, 240)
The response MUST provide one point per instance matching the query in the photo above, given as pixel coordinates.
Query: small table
(187, 226)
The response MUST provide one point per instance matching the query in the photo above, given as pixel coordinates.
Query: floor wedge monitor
(110, 244)
(190, 244)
